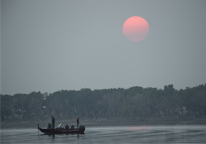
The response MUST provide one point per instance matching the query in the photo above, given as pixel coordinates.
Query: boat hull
(80, 130)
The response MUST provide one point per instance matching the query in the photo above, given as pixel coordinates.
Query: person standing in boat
(78, 122)
(53, 121)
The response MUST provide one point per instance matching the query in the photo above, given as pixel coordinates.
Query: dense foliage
(135, 103)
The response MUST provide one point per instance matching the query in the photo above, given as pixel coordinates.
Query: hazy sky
(50, 45)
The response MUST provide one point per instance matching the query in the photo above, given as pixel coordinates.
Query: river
(174, 134)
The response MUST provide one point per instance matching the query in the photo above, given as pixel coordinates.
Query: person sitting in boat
(78, 122)
(49, 126)
(66, 127)
(53, 121)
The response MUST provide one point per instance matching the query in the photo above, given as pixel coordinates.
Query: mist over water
(194, 134)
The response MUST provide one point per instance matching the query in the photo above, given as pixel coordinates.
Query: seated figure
(66, 127)
(49, 126)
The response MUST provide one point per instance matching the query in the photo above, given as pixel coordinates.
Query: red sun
(135, 28)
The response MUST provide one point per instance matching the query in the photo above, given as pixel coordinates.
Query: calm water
(112, 135)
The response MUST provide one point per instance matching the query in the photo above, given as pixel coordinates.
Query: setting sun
(135, 28)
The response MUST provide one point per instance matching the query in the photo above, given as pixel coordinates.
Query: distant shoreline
(94, 123)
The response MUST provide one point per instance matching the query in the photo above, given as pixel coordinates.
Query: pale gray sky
(50, 45)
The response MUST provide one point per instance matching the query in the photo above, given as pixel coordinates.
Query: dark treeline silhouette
(135, 103)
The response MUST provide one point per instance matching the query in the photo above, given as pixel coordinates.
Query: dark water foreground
(193, 134)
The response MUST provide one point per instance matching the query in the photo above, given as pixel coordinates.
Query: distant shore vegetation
(132, 104)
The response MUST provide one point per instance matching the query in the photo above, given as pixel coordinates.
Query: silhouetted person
(49, 126)
(78, 122)
(53, 121)
(66, 127)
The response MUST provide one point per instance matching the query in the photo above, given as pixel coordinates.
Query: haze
(52, 45)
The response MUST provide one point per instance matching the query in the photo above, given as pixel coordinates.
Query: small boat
(71, 130)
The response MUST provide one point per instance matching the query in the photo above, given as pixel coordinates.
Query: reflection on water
(110, 135)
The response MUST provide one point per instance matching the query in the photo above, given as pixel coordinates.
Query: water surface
(111, 135)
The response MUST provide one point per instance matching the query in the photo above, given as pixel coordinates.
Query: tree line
(135, 103)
